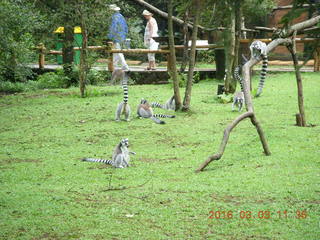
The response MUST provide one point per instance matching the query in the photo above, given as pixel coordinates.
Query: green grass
(48, 193)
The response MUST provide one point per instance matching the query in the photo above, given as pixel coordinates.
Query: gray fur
(145, 111)
(169, 105)
(123, 107)
(258, 50)
(238, 100)
(120, 156)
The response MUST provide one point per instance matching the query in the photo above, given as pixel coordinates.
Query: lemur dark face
(143, 101)
(257, 49)
(124, 142)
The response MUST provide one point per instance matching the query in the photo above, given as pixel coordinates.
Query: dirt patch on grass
(48, 93)
(47, 236)
(150, 160)
(236, 200)
(228, 199)
(17, 160)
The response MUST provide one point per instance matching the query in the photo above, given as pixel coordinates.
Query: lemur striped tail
(238, 77)
(163, 116)
(157, 120)
(125, 89)
(157, 105)
(110, 162)
(262, 74)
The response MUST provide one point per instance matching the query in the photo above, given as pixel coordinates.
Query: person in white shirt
(150, 32)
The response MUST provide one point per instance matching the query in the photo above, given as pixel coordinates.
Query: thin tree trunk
(230, 47)
(185, 33)
(173, 67)
(238, 27)
(83, 54)
(187, 97)
(302, 118)
(67, 50)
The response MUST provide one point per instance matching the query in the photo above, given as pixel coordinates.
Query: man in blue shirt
(118, 31)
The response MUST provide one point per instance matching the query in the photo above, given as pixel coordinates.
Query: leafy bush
(15, 87)
(16, 43)
(10, 87)
(95, 77)
(224, 98)
(206, 56)
(53, 80)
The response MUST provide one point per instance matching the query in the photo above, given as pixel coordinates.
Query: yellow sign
(61, 30)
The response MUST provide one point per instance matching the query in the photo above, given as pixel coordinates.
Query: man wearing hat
(118, 31)
(150, 32)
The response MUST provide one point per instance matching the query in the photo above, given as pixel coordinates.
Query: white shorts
(152, 45)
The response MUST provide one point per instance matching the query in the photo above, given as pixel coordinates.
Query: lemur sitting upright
(120, 156)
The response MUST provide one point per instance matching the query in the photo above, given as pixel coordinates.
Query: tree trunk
(238, 27)
(83, 54)
(67, 50)
(230, 47)
(185, 33)
(172, 58)
(302, 118)
(68, 38)
(187, 97)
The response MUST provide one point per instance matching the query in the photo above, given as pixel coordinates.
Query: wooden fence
(163, 50)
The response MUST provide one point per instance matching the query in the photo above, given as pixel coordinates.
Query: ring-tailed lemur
(120, 156)
(238, 98)
(145, 111)
(258, 50)
(169, 105)
(123, 107)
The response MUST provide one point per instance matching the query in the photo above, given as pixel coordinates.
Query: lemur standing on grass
(123, 107)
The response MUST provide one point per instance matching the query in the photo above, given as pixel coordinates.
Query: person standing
(118, 31)
(151, 31)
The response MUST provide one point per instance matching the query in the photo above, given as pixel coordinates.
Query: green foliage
(296, 11)
(135, 28)
(256, 11)
(182, 78)
(206, 56)
(11, 87)
(224, 98)
(16, 43)
(196, 77)
(48, 193)
(53, 80)
(95, 77)
(16, 87)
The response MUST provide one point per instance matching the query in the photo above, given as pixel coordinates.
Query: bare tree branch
(246, 88)
(162, 13)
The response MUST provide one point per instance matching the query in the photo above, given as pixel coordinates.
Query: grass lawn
(48, 193)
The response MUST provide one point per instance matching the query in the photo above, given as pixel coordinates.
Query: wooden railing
(163, 50)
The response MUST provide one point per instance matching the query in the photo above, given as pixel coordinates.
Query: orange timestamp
(262, 214)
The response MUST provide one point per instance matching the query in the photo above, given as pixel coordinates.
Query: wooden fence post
(42, 50)
(316, 65)
(110, 60)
